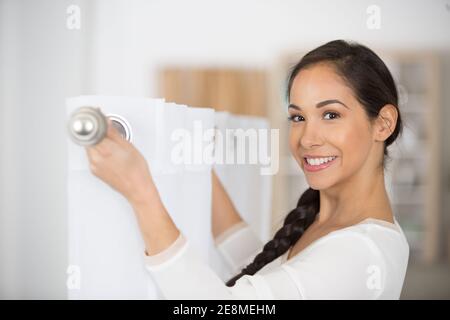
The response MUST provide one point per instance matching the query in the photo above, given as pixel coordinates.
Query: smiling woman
(343, 108)
(340, 242)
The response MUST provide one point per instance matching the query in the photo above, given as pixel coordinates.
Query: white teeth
(318, 161)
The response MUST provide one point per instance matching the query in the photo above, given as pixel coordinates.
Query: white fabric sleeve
(238, 246)
(180, 273)
(346, 265)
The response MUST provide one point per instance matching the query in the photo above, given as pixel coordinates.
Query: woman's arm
(119, 164)
(157, 227)
(224, 214)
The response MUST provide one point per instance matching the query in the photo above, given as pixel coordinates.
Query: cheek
(354, 145)
(294, 140)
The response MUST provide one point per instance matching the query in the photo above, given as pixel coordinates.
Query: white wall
(134, 38)
(8, 153)
(42, 63)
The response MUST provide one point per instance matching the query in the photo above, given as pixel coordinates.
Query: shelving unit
(412, 174)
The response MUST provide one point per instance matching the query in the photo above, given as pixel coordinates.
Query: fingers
(109, 143)
(94, 157)
(93, 154)
(112, 132)
(106, 146)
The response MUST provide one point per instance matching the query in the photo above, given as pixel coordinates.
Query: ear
(385, 123)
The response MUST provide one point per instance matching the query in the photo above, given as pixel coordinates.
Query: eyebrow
(320, 104)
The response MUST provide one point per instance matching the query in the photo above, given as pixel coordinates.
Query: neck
(362, 197)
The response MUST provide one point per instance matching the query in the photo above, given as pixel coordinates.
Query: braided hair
(374, 87)
(295, 224)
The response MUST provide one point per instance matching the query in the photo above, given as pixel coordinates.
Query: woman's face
(327, 121)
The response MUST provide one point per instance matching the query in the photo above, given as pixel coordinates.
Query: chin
(320, 182)
(316, 185)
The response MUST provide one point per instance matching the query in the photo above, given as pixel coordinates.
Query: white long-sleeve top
(364, 261)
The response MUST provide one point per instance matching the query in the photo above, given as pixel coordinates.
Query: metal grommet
(121, 125)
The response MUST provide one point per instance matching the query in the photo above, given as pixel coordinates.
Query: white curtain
(250, 191)
(105, 247)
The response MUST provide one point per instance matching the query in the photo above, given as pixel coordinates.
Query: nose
(310, 136)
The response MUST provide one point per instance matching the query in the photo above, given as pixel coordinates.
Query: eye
(295, 118)
(335, 115)
(298, 118)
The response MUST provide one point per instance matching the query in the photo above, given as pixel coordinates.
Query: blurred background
(231, 55)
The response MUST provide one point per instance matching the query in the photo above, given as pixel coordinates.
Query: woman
(340, 242)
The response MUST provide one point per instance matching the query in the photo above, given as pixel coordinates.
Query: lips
(317, 156)
(315, 168)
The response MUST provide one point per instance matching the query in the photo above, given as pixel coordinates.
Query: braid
(295, 224)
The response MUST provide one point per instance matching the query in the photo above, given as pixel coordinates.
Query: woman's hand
(119, 164)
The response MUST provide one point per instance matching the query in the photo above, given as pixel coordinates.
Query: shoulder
(355, 262)
(371, 239)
